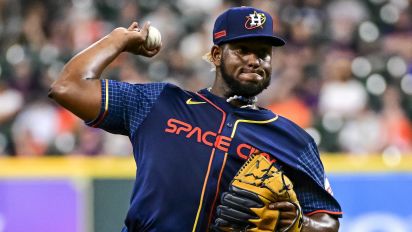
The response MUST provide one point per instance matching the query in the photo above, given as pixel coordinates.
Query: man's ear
(216, 55)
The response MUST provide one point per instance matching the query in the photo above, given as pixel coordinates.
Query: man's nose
(252, 60)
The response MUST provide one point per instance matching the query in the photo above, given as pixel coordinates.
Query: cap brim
(273, 40)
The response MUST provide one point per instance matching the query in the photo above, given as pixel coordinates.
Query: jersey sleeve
(313, 189)
(314, 200)
(124, 106)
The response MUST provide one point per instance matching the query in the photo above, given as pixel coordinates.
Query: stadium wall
(90, 194)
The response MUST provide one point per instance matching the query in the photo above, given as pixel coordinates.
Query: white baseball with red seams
(154, 38)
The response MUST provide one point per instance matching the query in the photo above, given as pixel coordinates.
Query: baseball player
(188, 146)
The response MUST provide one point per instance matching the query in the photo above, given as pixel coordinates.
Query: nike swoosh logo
(191, 102)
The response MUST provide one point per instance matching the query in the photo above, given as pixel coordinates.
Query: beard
(241, 89)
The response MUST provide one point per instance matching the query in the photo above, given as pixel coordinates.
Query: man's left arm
(319, 222)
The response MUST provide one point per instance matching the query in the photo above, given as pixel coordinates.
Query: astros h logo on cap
(245, 22)
(255, 20)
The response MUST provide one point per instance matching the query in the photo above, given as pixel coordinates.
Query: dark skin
(247, 62)
(242, 69)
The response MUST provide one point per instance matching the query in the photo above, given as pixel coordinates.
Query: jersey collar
(259, 114)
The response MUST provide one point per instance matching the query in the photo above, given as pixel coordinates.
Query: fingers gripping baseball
(145, 41)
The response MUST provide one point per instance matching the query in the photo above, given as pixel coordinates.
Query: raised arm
(78, 86)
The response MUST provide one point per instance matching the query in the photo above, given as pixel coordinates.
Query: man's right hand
(78, 87)
(135, 38)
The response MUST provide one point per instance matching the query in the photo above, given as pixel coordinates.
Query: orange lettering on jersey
(245, 150)
(199, 134)
(223, 143)
(212, 139)
(186, 128)
(173, 126)
(245, 147)
(268, 157)
(208, 134)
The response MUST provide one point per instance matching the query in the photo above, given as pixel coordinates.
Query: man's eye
(264, 55)
(242, 50)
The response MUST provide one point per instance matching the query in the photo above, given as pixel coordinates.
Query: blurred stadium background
(345, 76)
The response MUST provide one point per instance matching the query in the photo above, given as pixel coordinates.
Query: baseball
(153, 39)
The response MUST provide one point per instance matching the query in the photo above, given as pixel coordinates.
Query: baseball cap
(244, 22)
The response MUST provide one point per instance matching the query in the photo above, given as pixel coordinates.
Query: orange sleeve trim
(324, 211)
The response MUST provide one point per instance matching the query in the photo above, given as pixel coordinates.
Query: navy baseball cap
(244, 22)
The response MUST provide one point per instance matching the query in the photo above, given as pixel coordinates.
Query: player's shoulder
(146, 87)
(291, 129)
(152, 90)
(173, 90)
(125, 86)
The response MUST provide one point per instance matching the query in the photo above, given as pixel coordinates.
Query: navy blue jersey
(188, 147)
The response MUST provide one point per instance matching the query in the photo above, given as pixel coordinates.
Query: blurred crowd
(345, 74)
